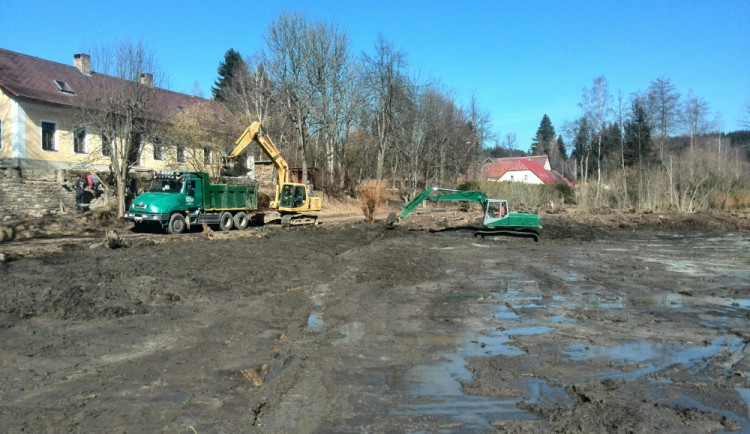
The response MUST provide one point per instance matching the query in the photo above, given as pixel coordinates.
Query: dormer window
(63, 86)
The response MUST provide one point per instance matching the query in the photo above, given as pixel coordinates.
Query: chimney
(147, 79)
(83, 63)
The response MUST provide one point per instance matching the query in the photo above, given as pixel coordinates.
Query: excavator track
(298, 220)
(506, 233)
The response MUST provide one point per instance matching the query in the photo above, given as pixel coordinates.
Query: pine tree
(637, 134)
(232, 60)
(561, 148)
(545, 136)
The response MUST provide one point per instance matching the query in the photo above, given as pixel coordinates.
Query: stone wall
(35, 193)
(265, 173)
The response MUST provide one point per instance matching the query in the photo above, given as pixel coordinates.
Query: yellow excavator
(292, 200)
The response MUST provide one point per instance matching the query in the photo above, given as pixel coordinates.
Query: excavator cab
(497, 209)
(296, 198)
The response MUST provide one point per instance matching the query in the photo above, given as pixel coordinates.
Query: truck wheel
(225, 221)
(176, 224)
(241, 220)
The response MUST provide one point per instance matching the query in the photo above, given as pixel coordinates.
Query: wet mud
(349, 327)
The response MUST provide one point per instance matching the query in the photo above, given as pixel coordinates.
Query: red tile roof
(535, 168)
(33, 79)
(496, 170)
(539, 159)
(534, 164)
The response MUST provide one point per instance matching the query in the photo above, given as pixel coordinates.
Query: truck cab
(168, 192)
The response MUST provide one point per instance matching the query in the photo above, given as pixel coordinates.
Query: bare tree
(596, 104)
(581, 135)
(122, 107)
(332, 78)
(410, 137)
(510, 141)
(745, 118)
(248, 92)
(481, 126)
(194, 138)
(382, 79)
(619, 113)
(695, 117)
(287, 57)
(663, 103)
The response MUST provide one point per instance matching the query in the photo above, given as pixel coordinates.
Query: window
(190, 187)
(180, 154)
(158, 149)
(79, 140)
(49, 136)
(63, 86)
(206, 156)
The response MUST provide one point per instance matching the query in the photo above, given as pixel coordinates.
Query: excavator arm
(290, 198)
(497, 220)
(253, 134)
(436, 194)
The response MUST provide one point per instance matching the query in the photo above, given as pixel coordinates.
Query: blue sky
(521, 59)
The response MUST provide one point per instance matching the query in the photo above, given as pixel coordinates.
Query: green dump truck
(177, 199)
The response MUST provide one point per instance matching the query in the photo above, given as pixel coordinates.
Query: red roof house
(531, 170)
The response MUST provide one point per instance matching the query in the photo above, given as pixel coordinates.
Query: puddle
(568, 276)
(561, 319)
(179, 399)
(528, 331)
(666, 300)
(543, 393)
(501, 301)
(436, 388)
(476, 413)
(352, 332)
(315, 321)
(653, 356)
(505, 315)
(745, 395)
(687, 401)
(502, 312)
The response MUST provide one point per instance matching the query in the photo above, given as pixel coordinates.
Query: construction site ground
(612, 322)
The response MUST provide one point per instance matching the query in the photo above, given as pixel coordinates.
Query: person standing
(79, 186)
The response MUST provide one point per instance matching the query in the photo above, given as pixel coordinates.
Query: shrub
(371, 193)
(469, 186)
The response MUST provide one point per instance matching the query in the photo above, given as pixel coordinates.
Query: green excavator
(498, 220)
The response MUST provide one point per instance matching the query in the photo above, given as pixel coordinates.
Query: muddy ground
(610, 323)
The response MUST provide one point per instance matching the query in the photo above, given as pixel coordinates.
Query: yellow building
(40, 110)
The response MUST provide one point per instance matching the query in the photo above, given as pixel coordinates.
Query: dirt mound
(64, 225)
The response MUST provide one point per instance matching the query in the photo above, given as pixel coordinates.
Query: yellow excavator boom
(253, 134)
